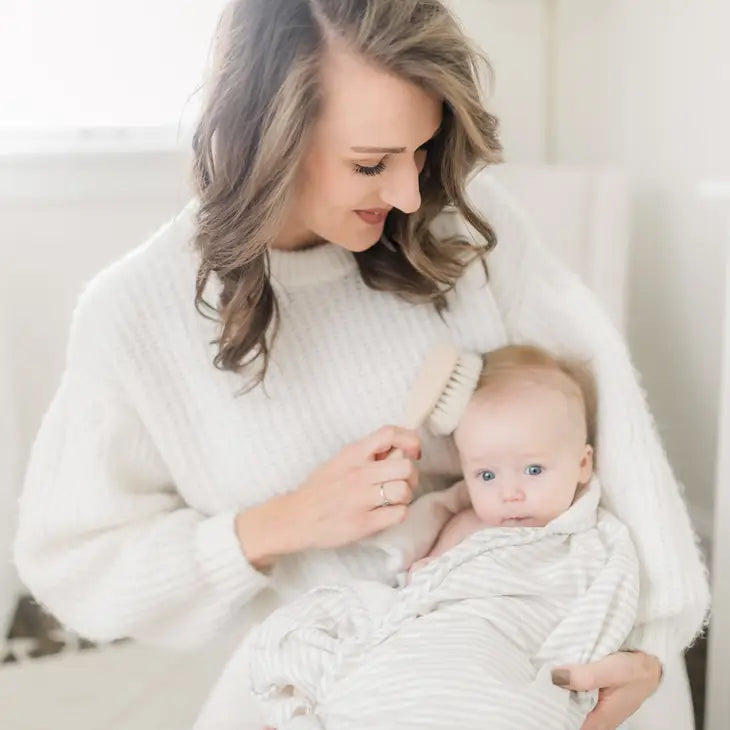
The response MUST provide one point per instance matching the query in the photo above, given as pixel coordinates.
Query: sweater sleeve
(545, 304)
(104, 540)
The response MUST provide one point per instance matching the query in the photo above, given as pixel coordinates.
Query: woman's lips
(374, 217)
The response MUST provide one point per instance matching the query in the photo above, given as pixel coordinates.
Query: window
(75, 64)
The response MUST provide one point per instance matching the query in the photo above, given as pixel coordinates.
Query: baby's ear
(586, 465)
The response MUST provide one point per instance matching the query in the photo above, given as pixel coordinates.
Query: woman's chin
(360, 244)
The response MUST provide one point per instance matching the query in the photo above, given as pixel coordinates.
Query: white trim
(101, 176)
(718, 670)
(35, 141)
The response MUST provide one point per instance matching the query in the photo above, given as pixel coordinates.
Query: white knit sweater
(146, 453)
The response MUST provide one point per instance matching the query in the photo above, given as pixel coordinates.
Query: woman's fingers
(394, 493)
(624, 680)
(379, 519)
(391, 470)
(616, 669)
(384, 440)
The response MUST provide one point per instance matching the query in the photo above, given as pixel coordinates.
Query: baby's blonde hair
(514, 360)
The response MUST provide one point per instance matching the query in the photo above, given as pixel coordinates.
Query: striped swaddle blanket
(468, 643)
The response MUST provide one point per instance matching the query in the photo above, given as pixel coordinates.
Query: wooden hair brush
(444, 384)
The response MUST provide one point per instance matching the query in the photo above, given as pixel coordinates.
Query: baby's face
(523, 452)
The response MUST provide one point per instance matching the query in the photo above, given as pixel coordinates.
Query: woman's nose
(402, 189)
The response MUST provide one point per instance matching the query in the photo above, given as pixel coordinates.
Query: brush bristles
(456, 394)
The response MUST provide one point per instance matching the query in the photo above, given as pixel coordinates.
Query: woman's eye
(486, 476)
(533, 470)
(375, 170)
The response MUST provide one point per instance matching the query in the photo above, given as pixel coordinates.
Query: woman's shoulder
(148, 279)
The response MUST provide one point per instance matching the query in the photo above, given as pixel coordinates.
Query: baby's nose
(512, 493)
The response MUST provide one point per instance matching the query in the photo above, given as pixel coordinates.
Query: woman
(333, 241)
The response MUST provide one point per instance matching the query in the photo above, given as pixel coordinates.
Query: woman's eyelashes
(420, 158)
(374, 170)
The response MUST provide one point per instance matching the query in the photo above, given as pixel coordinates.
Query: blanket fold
(468, 643)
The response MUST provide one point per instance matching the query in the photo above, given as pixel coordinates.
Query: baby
(513, 571)
(524, 441)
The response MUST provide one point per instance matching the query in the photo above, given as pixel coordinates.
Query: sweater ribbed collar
(310, 266)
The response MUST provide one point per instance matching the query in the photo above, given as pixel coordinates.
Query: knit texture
(147, 451)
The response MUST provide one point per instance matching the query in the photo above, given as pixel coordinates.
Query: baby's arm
(461, 525)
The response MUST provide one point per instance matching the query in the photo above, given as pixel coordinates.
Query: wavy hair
(263, 98)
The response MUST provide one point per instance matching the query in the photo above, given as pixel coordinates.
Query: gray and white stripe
(469, 643)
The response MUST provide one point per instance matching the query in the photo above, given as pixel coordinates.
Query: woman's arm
(104, 539)
(108, 544)
(543, 303)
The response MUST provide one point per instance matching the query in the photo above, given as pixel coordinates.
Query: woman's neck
(295, 236)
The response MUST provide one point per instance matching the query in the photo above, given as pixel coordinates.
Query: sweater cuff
(222, 561)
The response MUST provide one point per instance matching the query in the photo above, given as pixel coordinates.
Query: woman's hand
(339, 503)
(623, 680)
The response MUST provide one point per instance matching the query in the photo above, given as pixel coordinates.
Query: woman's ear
(586, 465)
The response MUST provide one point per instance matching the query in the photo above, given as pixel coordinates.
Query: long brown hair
(262, 101)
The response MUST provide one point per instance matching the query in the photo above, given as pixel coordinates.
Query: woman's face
(365, 156)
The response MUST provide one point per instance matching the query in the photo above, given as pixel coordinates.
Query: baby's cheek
(474, 494)
(484, 506)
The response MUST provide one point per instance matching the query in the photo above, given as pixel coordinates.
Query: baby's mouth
(514, 520)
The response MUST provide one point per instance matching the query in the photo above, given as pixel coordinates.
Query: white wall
(513, 36)
(717, 697)
(63, 218)
(646, 85)
(9, 470)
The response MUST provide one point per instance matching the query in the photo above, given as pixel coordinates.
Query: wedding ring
(383, 499)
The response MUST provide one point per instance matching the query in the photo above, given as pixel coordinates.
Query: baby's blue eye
(487, 476)
(533, 470)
